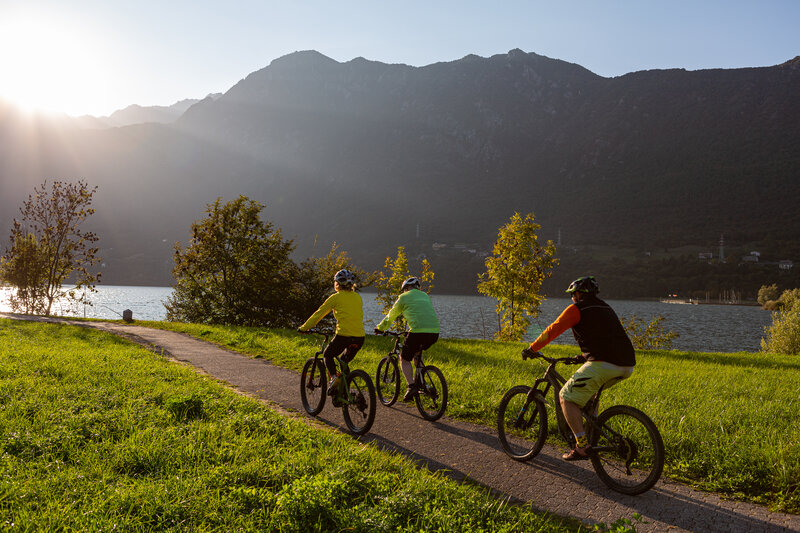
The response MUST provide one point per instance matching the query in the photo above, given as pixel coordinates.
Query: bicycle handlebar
(527, 353)
(392, 333)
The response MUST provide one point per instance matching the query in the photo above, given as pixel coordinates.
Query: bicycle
(355, 393)
(626, 447)
(430, 395)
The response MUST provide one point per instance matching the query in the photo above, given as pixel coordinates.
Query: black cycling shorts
(416, 342)
(349, 345)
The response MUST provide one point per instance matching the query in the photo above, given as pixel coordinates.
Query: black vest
(600, 335)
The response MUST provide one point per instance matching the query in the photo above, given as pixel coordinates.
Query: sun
(48, 63)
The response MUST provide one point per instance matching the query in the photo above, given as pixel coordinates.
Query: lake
(703, 328)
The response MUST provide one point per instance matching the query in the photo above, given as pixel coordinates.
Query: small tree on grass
(648, 336)
(389, 283)
(315, 282)
(783, 336)
(236, 270)
(514, 275)
(48, 247)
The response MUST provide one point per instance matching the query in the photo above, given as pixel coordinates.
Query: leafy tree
(514, 275)
(768, 293)
(236, 270)
(389, 283)
(648, 336)
(783, 336)
(48, 247)
(315, 282)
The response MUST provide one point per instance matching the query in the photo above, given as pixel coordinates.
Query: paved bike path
(471, 451)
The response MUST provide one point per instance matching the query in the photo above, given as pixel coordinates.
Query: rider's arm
(567, 319)
(394, 312)
(323, 310)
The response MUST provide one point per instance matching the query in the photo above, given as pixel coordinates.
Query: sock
(581, 441)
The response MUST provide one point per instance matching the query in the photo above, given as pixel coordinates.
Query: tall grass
(99, 434)
(729, 421)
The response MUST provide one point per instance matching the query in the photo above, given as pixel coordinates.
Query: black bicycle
(626, 448)
(355, 393)
(430, 395)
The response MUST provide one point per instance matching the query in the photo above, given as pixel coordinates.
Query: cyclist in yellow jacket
(348, 310)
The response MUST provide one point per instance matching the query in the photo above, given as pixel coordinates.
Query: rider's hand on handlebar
(527, 353)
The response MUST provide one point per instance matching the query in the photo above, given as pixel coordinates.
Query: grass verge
(729, 421)
(99, 434)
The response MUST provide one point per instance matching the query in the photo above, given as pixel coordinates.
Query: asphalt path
(469, 451)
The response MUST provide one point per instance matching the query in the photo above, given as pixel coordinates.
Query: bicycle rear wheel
(628, 453)
(359, 411)
(431, 396)
(387, 381)
(521, 423)
(312, 386)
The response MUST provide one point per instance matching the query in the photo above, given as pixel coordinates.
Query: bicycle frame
(552, 379)
(344, 392)
(398, 347)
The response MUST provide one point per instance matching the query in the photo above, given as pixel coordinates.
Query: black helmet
(585, 284)
(410, 283)
(345, 278)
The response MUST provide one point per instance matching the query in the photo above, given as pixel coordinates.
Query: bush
(783, 336)
(649, 336)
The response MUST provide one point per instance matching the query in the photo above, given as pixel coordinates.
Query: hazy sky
(96, 56)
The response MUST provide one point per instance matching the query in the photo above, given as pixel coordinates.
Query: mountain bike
(430, 395)
(355, 393)
(626, 448)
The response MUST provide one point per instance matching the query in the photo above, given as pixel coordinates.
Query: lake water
(704, 328)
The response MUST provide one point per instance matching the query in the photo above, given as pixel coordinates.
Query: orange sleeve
(566, 320)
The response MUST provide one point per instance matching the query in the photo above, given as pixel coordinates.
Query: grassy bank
(99, 434)
(729, 421)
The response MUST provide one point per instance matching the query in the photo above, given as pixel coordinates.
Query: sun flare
(48, 64)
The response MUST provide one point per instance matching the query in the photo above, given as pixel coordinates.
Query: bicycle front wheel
(628, 453)
(431, 396)
(521, 423)
(387, 381)
(312, 386)
(359, 409)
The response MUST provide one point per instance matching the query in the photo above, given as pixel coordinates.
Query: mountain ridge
(373, 155)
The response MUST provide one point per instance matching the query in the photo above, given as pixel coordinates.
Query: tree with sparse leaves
(236, 270)
(389, 283)
(48, 247)
(514, 275)
(315, 282)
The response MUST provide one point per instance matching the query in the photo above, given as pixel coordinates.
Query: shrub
(648, 336)
(783, 336)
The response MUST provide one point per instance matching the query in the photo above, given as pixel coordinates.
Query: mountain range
(373, 156)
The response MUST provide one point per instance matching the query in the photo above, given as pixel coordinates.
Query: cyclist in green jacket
(423, 325)
(348, 310)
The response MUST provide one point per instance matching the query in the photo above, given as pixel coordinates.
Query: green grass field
(729, 421)
(97, 434)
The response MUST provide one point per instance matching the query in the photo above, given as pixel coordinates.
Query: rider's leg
(408, 370)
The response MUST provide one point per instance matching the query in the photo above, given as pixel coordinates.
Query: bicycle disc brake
(630, 455)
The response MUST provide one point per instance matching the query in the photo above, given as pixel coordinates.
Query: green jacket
(416, 307)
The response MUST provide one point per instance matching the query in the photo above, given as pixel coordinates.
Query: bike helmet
(410, 283)
(585, 284)
(345, 278)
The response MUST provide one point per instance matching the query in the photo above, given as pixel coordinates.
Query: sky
(97, 56)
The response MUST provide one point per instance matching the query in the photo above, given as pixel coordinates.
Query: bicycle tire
(431, 397)
(387, 381)
(359, 414)
(521, 423)
(628, 451)
(313, 386)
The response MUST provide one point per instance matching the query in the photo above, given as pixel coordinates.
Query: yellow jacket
(348, 311)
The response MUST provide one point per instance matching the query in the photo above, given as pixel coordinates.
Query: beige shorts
(588, 379)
